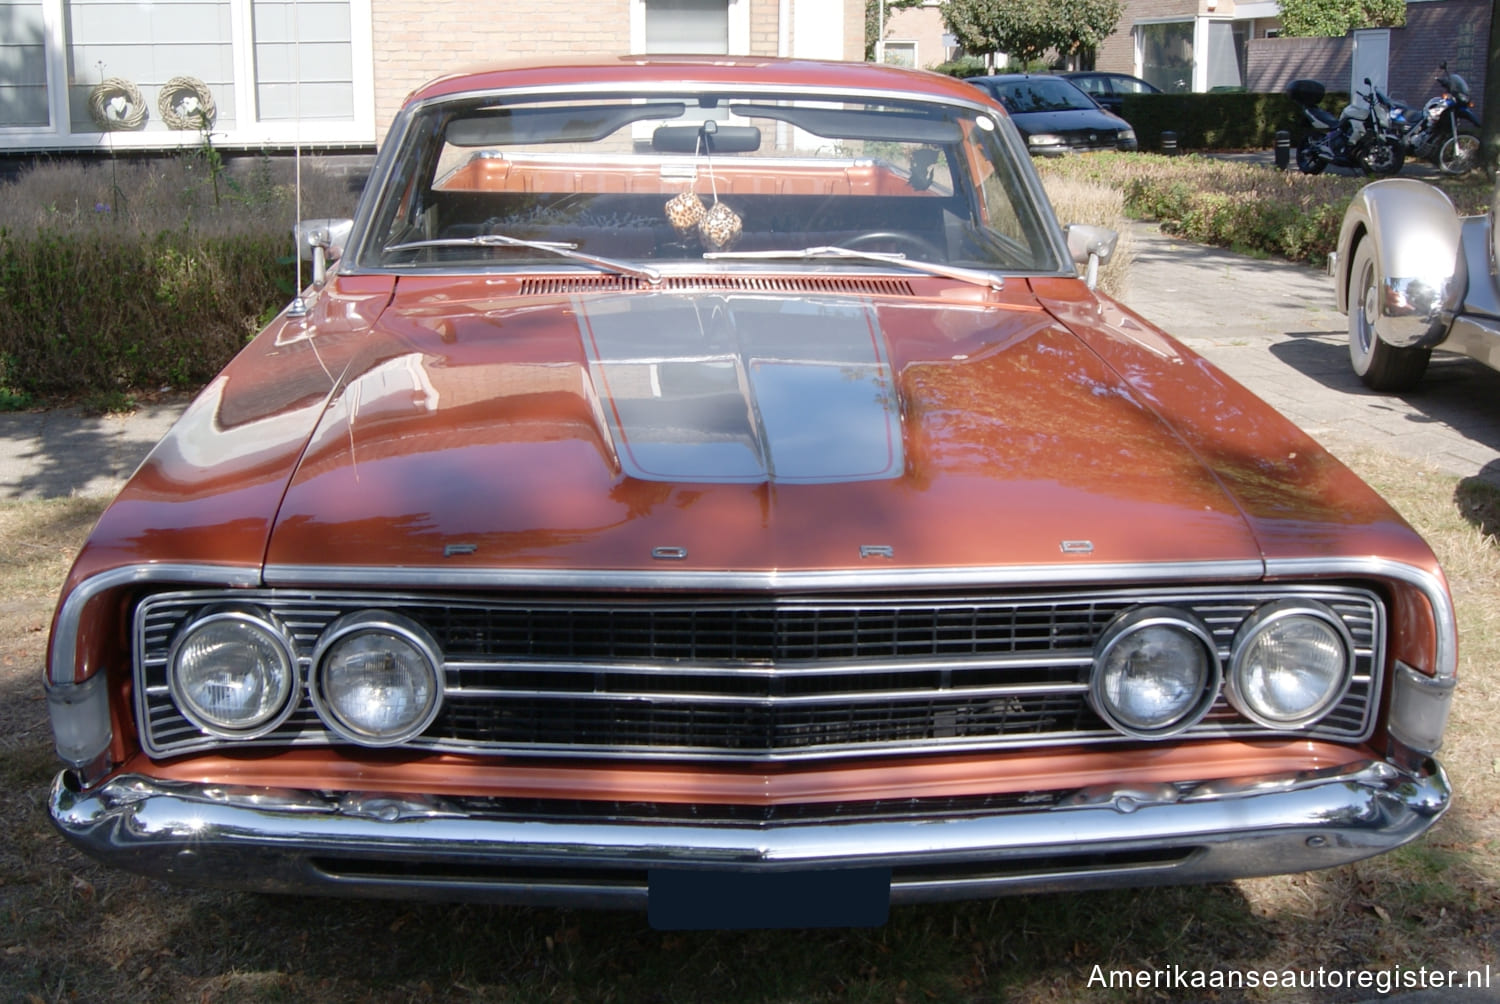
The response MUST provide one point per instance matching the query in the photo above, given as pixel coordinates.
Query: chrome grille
(742, 678)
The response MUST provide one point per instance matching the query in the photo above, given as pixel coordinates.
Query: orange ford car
(715, 487)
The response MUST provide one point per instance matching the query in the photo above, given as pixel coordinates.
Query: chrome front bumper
(379, 845)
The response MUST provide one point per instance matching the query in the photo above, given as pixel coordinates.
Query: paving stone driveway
(1273, 327)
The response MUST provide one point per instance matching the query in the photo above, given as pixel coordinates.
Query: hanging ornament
(720, 227)
(685, 212)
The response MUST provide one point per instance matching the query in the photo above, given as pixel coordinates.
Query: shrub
(1220, 121)
(1247, 207)
(124, 276)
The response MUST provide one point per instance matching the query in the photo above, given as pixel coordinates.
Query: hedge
(1225, 121)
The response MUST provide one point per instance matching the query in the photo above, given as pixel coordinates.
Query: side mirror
(322, 243)
(1091, 246)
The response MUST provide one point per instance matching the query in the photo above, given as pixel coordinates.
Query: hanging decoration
(116, 105)
(186, 103)
(717, 226)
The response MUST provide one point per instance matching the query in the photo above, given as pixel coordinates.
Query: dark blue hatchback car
(1054, 116)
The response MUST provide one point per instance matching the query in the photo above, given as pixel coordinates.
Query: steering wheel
(909, 241)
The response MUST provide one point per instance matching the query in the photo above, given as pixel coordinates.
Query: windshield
(1041, 94)
(637, 183)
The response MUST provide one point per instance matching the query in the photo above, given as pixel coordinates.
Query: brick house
(85, 74)
(1180, 45)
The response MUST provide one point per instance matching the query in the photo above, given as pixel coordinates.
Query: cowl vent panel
(565, 285)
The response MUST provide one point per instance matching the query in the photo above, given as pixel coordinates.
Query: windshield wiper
(827, 252)
(560, 248)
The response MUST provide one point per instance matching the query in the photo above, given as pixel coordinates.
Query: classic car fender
(1418, 258)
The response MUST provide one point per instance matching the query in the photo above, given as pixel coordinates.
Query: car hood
(740, 431)
(1070, 120)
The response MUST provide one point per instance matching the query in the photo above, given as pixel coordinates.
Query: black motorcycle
(1444, 131)
(1362, 137)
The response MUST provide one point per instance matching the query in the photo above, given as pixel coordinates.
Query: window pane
(1167, 55)
(687, 26)
(146, 46)
(23, 64)
(304, 62)
(901, 54)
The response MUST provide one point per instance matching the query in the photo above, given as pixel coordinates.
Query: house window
(901, 53)
(712, 27)
(23, 64)
(154, 73)
(1165, 54)
(304, 66)
(128, 51)
(684, 26)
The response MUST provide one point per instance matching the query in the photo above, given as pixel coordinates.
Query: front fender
(1418, 254)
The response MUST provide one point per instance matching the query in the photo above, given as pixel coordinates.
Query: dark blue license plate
(686, 900)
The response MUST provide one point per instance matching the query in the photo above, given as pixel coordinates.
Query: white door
(1372, 59)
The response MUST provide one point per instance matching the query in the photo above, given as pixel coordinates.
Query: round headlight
(232, 673)
(1156, 672)
(377, 678)
(1292, 661)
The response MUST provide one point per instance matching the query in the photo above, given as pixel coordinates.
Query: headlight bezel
(1264, 618)
(1137, 619)
(288, 691)
(370, 622)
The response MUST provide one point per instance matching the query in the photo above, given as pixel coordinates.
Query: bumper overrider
(430, 847)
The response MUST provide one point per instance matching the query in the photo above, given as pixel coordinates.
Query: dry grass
(1080, 200)
(148, 196)
(74, 930)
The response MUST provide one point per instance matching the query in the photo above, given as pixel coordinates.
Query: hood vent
(564, 285)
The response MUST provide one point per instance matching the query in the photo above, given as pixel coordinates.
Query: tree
(873, 18)
(1336, 18)
(1028, 29)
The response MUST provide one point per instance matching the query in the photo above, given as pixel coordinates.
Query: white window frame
(886, 44)
(739, 27)
(246, 132)
(1200, 40)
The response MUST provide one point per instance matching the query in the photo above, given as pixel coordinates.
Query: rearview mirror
(1091, 246)
(322, 243)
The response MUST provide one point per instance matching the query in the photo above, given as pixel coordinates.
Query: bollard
(1169, 143)
(1283, 149)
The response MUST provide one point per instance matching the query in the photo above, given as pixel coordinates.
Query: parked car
(1414, 276)
(1109, 89)
(1055, 116)
(709, 486)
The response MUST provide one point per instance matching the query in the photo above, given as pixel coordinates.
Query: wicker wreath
(186, 103)
(116, 104)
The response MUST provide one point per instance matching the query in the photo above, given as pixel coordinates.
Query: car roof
(690, 70)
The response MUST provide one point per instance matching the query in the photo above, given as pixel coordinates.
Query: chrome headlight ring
(232, 657)
(1156, 672)
(377, 678)
(1291, 662)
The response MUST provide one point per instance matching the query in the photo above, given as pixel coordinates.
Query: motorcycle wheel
(1384, 157)
(1459, 154)
(1308, 162)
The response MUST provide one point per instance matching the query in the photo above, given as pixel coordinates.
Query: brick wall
(1452, 30)
(922, 25)
(1272, 63)
(416, 40)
